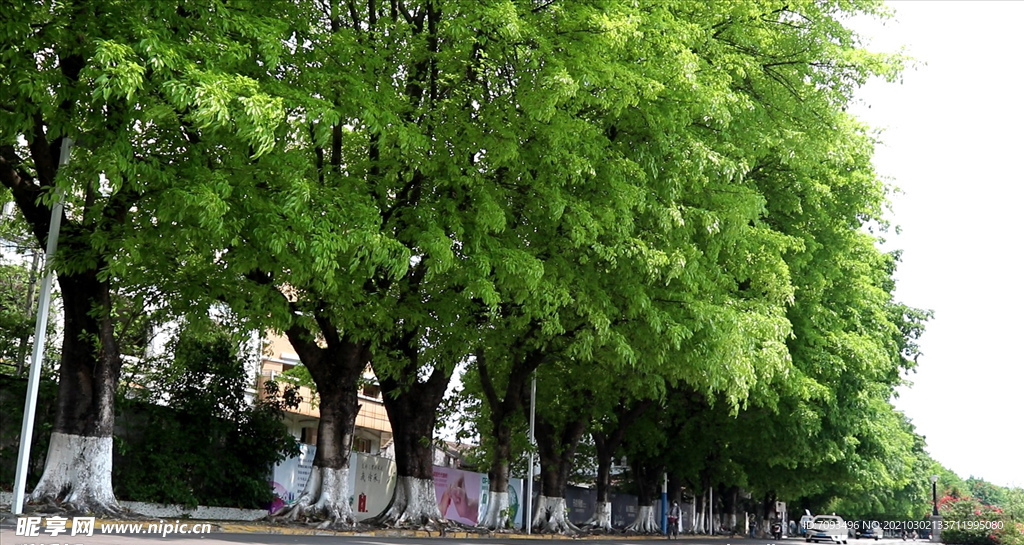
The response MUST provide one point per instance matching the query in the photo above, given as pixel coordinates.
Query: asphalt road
(8, 537)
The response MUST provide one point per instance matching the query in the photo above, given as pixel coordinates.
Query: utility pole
(528, 514)
(42, 315)
(664, 504)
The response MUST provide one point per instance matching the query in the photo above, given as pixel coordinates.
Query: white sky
(953, 144)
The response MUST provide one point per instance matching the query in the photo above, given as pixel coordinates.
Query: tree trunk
(675, 488)
(646, 476)
(336, 370)
(607, 444)
(698, 514)
(79, 460)
(602, 519)
(502, 410)
(80, 457)
(645, 523)
(731, 501)
(557, 449)
(498, 515)
(769, 508)
(412, 410)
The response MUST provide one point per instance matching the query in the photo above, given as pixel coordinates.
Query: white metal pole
(664, 504)
(39, 343)
(528, 515)
(711, 509)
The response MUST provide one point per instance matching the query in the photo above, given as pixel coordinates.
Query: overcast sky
(953, 144)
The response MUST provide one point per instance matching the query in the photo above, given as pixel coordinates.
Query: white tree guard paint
(78, 469)
(324, 498)
(414, 504)
(644, 523)
(496, 517)
(551, 517)
(602, 519)
(540, 512)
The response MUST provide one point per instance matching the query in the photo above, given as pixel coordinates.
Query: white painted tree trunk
(414, 505)
(706, 516)
(732, 522)
(602, 519)
(497, 515)
(551, 517)
(78, 470)
(324, 498)
(698, 523)
(644, 523)
(540, 512)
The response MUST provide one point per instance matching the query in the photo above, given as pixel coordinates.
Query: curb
(230, 528)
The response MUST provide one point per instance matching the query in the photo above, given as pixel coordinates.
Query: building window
(372, 391)
(308, 436)
(362, 444)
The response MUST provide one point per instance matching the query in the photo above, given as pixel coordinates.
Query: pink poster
(458, 494)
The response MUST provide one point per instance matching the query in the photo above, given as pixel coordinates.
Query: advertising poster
(372, 482)
(290, 476)
(515, 501)
(458, 494)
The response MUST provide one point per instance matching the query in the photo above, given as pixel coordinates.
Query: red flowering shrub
(967, 521)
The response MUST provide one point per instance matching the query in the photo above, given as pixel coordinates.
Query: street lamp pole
(935, 496)
(28, 419)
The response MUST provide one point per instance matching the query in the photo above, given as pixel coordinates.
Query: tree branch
(485, 380)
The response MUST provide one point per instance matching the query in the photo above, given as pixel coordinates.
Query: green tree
(17, 300)
(753, 83)
(986, 492)
(135, 85)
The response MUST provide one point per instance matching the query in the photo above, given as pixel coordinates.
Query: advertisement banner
(459, 494)
(515, 501)
(290, 477)
(372, 482)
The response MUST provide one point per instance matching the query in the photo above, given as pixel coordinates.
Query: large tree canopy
(649, 203)
(137, 85)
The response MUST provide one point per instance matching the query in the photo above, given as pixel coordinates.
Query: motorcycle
(777, 530)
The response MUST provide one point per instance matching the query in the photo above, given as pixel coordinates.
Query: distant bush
(184, 431)
(12, 407)
(193, 439)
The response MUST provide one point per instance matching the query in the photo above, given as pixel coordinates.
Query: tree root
(551, 517)
(77, 476)
(602, 519)
(644, 522)
(413, 506)
(324, 500)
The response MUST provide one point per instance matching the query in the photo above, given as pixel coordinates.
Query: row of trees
(661, 208)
